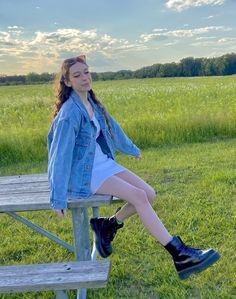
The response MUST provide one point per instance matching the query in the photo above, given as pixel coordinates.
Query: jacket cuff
(58, 204)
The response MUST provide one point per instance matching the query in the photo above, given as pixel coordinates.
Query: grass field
(186, 129)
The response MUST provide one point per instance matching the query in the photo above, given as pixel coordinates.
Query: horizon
(36, 37)
(54, 73)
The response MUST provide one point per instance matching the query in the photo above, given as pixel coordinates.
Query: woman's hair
(62, 91)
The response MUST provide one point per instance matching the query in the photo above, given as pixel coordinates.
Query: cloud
(180, 5)
(65, 41)
(159, 35)
(15, 27)
(75, 40)
(216, 42)
(51, 48)
(44, 51)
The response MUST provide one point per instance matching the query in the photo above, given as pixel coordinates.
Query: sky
(37, 35)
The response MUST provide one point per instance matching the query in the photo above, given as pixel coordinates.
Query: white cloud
(213, 42)
(75, 40)
(159, 30)
(227, 40)
(206, 38)
(180, 33)
(44, 51)
(51, 48)
(15, 27)
(180, 5)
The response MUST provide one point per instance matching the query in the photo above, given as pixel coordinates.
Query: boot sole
(98, 244)
(184, 274)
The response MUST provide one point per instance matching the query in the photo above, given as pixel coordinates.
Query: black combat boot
(189, 260)
(105, 230)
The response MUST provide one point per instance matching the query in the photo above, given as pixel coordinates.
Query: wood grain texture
(54, 276)
(31, 193)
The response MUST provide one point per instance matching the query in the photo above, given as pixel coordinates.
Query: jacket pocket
(81, 145)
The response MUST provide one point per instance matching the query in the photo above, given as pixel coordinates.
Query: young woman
(82, 142)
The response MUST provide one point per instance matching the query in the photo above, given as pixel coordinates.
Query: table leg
(62, 294)
(82, 240)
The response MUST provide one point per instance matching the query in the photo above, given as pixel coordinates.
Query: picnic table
(22, 193)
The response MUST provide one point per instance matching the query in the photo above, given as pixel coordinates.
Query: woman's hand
(61, 213)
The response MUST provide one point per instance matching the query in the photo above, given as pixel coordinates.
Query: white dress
(103, 167)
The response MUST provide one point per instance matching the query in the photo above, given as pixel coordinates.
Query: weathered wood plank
(40, 201)
(56, 276)
(24, 178)
(31, 192)
(23, 187)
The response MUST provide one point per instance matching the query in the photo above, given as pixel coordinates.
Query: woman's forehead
(78, 67)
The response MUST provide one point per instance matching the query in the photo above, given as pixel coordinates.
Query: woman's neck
(83, 96)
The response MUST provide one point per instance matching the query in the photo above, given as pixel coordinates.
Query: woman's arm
(122, 142)
(60, 150)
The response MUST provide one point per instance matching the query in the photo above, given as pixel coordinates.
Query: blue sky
(37, 35)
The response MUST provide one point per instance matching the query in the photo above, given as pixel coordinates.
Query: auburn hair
(62, 91)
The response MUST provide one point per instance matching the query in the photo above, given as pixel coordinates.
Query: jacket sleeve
(60, 154)
(121, 141)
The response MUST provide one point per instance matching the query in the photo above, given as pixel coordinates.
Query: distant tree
(187, 67)
(94, 76)
(123, 74)
(46, 77)
(230, 64)
(32, 77)
(169, 70)
(106, 76)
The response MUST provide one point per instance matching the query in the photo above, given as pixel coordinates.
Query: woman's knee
(152, 195)
(141, 197)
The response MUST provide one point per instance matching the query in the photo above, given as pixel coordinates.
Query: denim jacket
(71, 149)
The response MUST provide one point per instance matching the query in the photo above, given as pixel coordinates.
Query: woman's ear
(67, 83)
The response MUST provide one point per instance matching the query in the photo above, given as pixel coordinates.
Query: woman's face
(79, 77)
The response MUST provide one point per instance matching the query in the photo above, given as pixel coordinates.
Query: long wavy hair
(62, 91)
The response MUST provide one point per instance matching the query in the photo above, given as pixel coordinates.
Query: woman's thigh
(120, 188)
(138, 182)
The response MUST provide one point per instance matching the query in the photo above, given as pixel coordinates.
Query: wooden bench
(31, 193)
(54, 276)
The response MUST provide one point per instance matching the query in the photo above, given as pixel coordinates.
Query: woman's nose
(84, 76)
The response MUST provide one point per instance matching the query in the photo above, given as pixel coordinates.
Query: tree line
(187, 67)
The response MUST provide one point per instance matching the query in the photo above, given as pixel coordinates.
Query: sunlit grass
(196, 187)
(153, 112)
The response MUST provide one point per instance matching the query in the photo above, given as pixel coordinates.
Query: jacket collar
(77, 100)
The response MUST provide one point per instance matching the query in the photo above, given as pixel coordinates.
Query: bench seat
(54, 276)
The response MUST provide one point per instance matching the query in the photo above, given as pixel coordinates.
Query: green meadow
(186, 128)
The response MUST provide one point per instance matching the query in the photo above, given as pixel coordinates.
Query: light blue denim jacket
(71, 149)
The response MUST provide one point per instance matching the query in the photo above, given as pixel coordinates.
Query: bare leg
(138, 198)
(128, 209)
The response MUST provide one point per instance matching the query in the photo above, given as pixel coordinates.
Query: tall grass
(153, 112)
